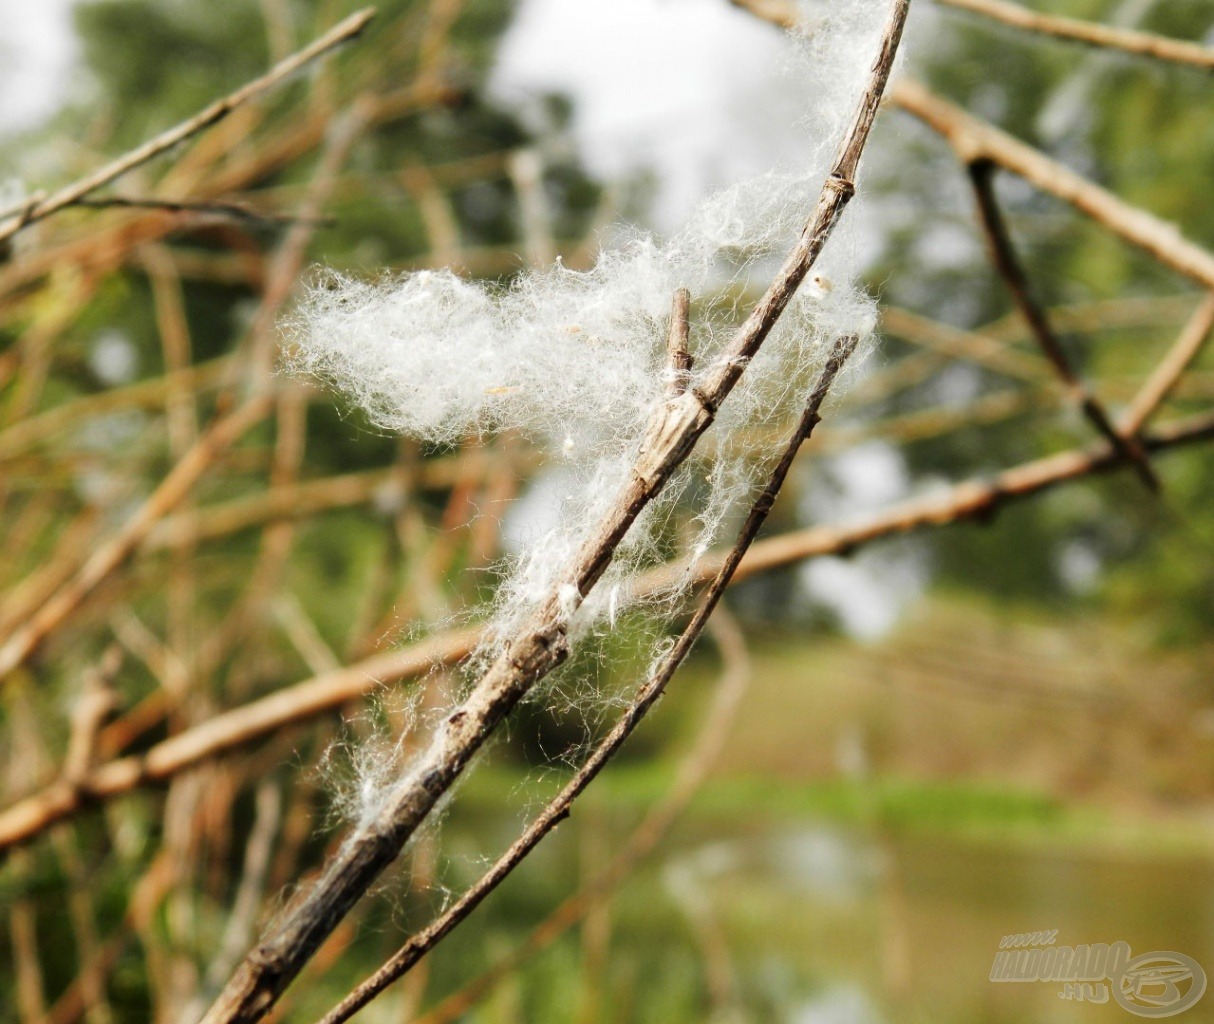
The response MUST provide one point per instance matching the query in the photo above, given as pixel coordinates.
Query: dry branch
(297, 704)
(975, 140)
(1007, 263)
(539, 646)
(1142, 44)
(23, 640)
(644, 839)
(228, 731)
(231, 211)
(647, 696)
(1167, 374)
(71, 194)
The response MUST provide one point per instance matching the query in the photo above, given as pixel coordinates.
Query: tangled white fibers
(576, 360)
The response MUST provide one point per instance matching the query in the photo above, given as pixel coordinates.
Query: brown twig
(195, 379)
(1141, 44)
(974, 139)
(228, 731)
(23, 640)
(232, 211)
(539, 645)
(247, 901)
(294, 705)
(956, 343)
(558, 809)
(1007, 263)
(678, 357)
(973, 499)
(72, 194)
(639, 845)
(89, 713)
(298, 500)
(1168, 372)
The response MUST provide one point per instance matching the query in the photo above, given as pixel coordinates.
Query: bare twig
(974, 139)
(786, 14)
(526, 168)
(678, 358)
(245, 905)
(145, 393)
(294, 705)
(232, 211)
(22, 641)
(539, 646)
(73, 193)
(1142, 44)
(229, 731)
(89, 713)
(1003, 255)
(973, 499)
(296, 500)
(1170, 369)
(655, 686)
(956, 343)
(639, 845)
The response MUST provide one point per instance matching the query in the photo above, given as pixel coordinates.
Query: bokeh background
(945, 737)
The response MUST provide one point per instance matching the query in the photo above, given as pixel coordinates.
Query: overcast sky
(36, 50)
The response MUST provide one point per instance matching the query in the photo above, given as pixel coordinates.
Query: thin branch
(297, 704)
(644, 839)
(526, 169)
(243, 918)
(23, 640)
(677, 355)
(228, 731)
(1170, 369)
(73, 193)
(1007, 263)
(197, 379)
(1141, 44)
(89, 713)
(973, 499)
(232, 211)
(540, 644)
(559, 808)
(974, 139)
(957, 343)
(299, 500)
(786, 14)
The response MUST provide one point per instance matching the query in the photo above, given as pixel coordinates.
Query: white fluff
(576, 361)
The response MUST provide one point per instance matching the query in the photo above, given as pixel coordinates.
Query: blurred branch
(294, 705)
(973, 499)
(957, 343)
(89, 712)
(22, 640)
(228, 731)
(1141, 44)
(975, 140)
(234, 211)
(539, 645)
(786, 14)
(1003, 255)
(303, 498)
(692, 770)
(1171, 368)
(72, 194)
(247, 902)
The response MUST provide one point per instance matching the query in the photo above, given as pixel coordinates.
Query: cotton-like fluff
(576, 360)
